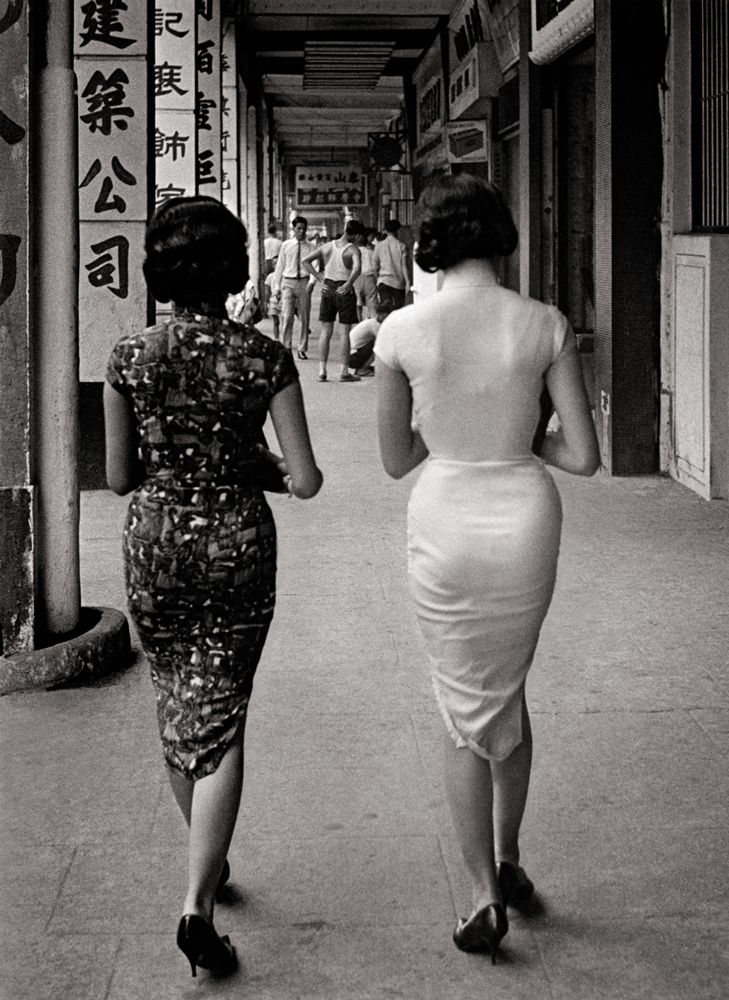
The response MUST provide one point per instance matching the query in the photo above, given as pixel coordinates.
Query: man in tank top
(342, 265)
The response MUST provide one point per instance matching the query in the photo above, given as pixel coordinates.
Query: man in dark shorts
(342, 265)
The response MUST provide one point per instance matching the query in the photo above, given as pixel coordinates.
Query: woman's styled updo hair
(462, 217)
(195, 252)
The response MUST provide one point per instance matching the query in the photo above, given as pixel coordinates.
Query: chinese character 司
(101, 24)
(103, 203)
(163, 23)
(174, 144)
(105, 270)
(104, 98)
(167, 79)
(205, 166)
(204, 106)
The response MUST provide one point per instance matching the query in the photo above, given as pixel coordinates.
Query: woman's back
(475, 356)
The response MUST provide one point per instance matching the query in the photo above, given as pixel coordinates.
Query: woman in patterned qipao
(185, 403)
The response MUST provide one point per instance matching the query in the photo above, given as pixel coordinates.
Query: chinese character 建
(101, 24)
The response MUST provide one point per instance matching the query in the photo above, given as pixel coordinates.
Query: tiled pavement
(346, 878)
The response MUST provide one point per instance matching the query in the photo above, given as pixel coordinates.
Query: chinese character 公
(117, 203)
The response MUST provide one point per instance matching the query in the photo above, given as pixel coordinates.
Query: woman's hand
(279, 462)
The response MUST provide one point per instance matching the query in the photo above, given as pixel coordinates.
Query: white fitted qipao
(484, 518)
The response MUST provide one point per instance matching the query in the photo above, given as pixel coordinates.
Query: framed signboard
(331, 186)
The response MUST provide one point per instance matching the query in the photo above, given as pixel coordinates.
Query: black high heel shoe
(198, 941)
(515, 885)
(483, 931)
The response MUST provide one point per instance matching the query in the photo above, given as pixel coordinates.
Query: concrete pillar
(55, 327)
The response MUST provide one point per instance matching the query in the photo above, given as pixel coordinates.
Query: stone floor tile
(47, 967)
(663, 958)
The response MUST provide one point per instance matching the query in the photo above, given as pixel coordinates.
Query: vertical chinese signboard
(229, 143)
(110, 56)
(175, 132)
(209, 98)
(16, 536)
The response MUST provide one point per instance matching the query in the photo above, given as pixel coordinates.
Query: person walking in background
(185, 402)
(391, 270)
(342, 264)
(291, 279)
(271, 248)
(458, 382)
(365, 286)
(274, 305)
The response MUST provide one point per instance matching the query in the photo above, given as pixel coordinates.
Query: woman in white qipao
(459, 378)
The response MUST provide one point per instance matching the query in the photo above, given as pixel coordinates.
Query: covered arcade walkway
(346, 878)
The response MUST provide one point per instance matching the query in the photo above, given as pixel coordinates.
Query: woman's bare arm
(574, 446)
(289, 422)
(124, 469)
(401, 448)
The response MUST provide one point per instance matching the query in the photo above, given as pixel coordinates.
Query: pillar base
(103, 648)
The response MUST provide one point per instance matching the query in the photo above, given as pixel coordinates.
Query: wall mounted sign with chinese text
(229, 137)
(337, 186)
(14, 326)
(209, 98)
(112, 70)
(175, 98)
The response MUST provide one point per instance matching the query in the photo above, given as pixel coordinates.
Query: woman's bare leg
(215, 802)
(182, 789)
(470, 796)
(511, 786)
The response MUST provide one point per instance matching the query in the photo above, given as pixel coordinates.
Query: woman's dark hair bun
(195, 251)
(462, 217)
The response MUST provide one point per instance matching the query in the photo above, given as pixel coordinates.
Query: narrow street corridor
(346, 880)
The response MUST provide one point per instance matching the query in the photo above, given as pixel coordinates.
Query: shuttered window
(710, 96)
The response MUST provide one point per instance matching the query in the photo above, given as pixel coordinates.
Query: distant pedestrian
(342, 264)
(271, 248)
(292, 279)
(458, 382)
(185, 403)
(362, 339)
(274, 306)
(366, 286)
(391, 267)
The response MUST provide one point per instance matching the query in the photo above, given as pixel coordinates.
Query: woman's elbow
(589, 462)
(308, 486)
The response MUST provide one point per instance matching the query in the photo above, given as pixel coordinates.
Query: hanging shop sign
(468, 142)
(430, 96)
(503, 19)
(208, 112)
(110, 62)
(175, 90)
(558, 25)
(330, 186)
(475, 75)
(229, 137)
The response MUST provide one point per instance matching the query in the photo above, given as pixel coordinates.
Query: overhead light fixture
(352, 65)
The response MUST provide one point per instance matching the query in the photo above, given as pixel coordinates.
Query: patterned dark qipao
(199, 539)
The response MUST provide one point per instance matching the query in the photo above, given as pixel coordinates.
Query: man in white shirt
(391, 267)
(291, 278)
